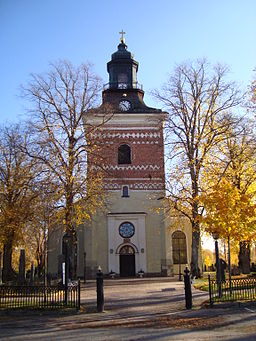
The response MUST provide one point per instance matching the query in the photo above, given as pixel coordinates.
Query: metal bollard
(188, 292)
(100, 293)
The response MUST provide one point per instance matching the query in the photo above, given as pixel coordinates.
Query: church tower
(130, 235)
(132, 232)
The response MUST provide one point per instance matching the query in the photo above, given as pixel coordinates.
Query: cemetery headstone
(21, 276)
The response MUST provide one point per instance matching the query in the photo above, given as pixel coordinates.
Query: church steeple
(123, 91)
(122, 68)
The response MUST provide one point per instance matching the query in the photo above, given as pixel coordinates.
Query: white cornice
(112, 127)
(126, 119)
(124, 215)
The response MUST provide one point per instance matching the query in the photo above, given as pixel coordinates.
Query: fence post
(188, 292)
(210, 290)
(79, 292)
(100, 293)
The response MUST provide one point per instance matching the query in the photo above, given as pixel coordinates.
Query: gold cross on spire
(122, 36)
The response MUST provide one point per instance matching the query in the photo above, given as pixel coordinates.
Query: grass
(238, 292)
(201, 284)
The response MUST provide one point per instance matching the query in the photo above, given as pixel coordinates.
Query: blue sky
(160, 34)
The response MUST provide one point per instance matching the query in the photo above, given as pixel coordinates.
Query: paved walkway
(137, 297)
(137, 309)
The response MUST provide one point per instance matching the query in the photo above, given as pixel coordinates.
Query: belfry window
(179, 247)
(125, 193)
(122, 81)
(124, 154)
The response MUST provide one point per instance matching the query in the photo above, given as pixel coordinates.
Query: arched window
(179, 247)
(125, 192)
(127, 250)
(124, 154)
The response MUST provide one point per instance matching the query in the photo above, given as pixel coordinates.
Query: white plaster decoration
(132, 142)
(111, 186)
(146, 186)
(125, 135)
(124, 244)
(139, 186)
(130, 167)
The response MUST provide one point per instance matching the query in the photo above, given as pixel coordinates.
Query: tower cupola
(123, 92)
(122, 68)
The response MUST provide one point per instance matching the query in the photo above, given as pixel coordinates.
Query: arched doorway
(179, 247)
(127, 261)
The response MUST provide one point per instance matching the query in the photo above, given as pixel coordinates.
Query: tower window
(122, 81)
(125, 192)
(124, 154)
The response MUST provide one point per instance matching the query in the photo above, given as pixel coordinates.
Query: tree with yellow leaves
(198, 99)
(60, 100)
(236, 162)
(18, 193)
(229, 213)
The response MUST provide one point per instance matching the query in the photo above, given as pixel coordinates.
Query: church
(135, 233)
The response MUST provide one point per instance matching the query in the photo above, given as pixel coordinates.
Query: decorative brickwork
(147, 157)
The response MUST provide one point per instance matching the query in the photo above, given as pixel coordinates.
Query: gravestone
(253, 267)
(223, 266)
(244, 257)
(21, 276)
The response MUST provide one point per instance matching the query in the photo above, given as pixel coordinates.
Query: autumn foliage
(229, 212)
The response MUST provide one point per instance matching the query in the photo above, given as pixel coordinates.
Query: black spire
(122, 69)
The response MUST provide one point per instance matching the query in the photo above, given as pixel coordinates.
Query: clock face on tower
(126, 230)
(124, 105)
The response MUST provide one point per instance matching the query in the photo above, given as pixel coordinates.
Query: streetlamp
(180, 279)
(84, 267)
(216, 237)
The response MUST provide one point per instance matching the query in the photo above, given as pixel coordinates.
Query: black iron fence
(40, 297)
(232, 290)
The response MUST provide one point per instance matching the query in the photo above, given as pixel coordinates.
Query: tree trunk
(72, 253)
(8, 272)
(229, 264)
(244, 257)
(195, 270)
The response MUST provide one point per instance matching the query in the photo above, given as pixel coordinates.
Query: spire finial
(122, 36)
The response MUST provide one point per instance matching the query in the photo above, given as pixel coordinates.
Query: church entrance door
(127, 261)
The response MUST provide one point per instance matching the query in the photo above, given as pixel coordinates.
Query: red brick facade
(146, 170)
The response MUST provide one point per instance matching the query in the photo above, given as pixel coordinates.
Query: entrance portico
(127, 243)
